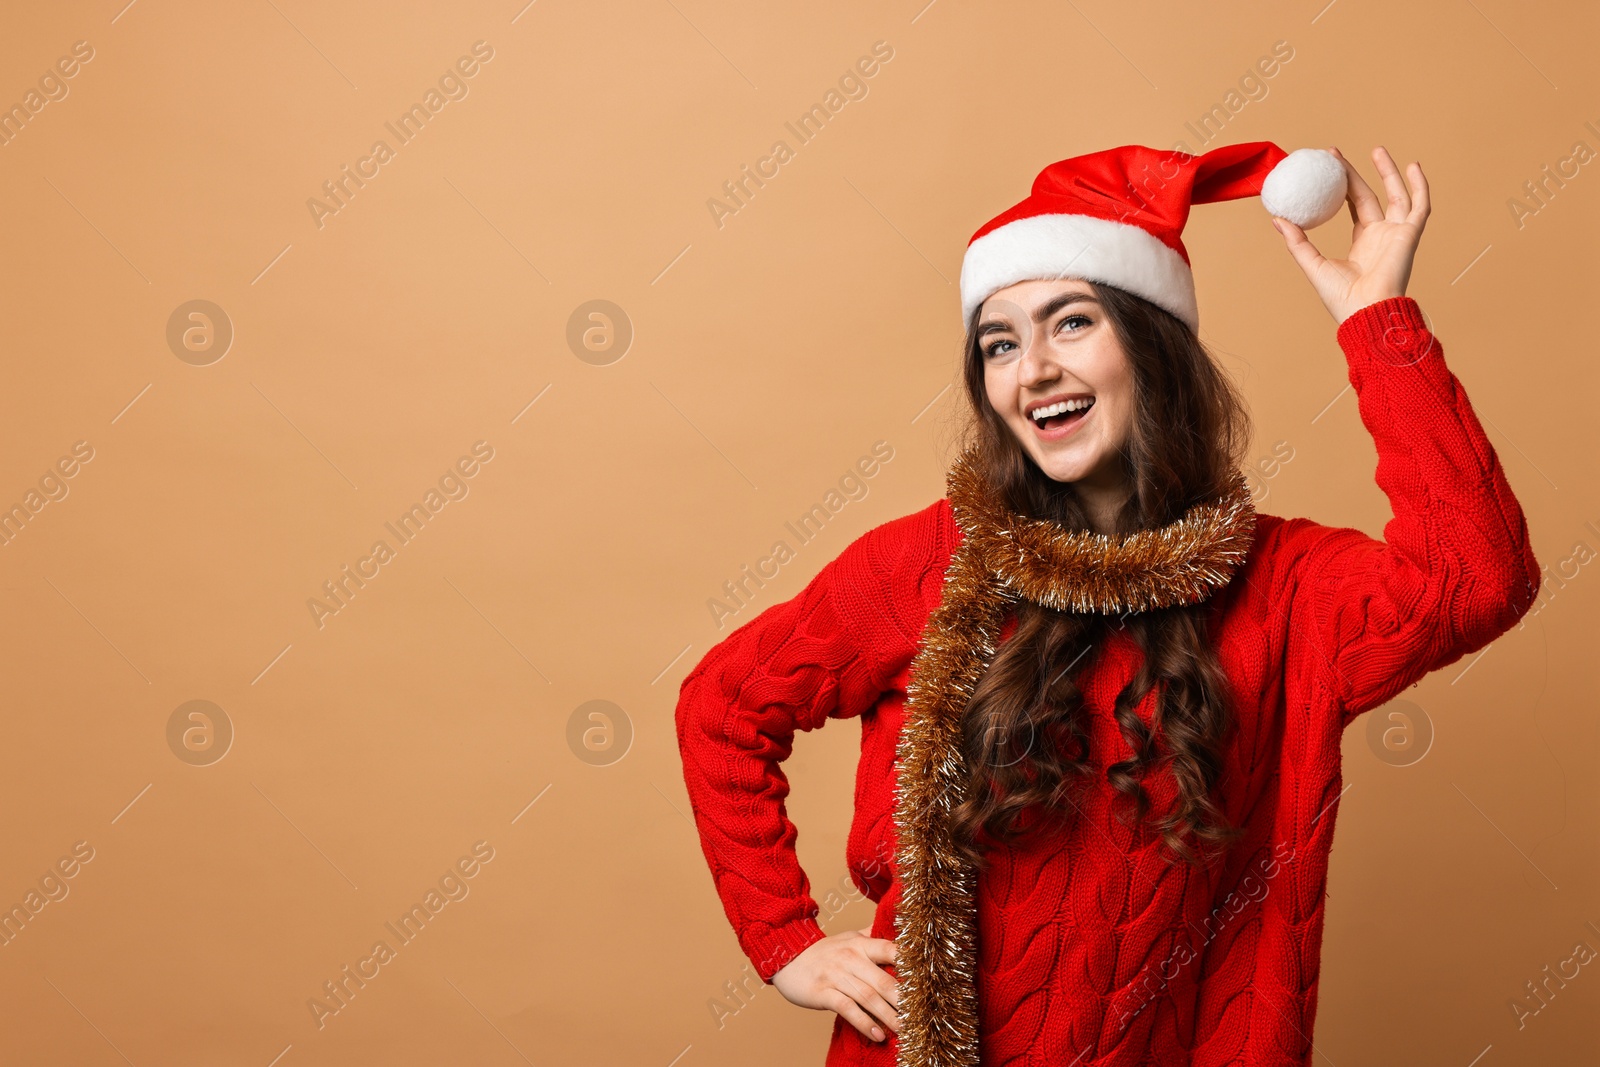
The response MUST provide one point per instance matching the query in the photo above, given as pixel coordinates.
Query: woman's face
(1048, 342)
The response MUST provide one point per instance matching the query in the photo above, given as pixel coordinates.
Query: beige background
(435, 709)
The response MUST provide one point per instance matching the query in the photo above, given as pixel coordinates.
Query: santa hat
(1115, 217)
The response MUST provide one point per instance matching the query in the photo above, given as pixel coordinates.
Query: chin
(1062, 468)
(1063, 461)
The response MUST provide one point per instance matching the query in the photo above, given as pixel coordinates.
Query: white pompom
(1307, 187)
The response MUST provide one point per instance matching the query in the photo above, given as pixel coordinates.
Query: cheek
(1120, 425)
(1117, 394)
(998, 389)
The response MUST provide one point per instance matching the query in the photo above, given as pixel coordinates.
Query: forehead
(1022, 299)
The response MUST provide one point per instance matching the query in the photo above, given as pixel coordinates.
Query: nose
(1036, 363)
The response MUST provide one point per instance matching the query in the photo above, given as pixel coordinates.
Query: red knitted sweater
(1092, 950)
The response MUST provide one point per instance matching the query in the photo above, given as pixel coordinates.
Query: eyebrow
(1044, 312)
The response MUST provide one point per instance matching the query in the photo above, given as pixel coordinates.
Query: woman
(1101, 697)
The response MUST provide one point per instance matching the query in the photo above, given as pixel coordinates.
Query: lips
(1055, 427)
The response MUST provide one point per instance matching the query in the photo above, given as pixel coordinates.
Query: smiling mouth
(1060, 422)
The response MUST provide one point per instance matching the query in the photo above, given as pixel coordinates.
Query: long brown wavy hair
(1024, 728)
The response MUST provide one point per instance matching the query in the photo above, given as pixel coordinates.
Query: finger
(1300, 247)
(1421, 206)
(1364, 205)
(1393, 184)
(851, 1012)
(880, 950)
(881, 980)
(870, 999)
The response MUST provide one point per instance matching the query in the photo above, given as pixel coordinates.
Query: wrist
(1344, 309)
(1394, 328)
(771, 950)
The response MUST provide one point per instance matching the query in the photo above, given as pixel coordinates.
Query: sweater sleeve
(830, 652)
(1455, 569)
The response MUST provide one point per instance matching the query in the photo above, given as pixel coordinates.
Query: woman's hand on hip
(1381, 247)
(842, 974)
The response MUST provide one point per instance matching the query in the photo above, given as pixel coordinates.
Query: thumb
(1300, 247)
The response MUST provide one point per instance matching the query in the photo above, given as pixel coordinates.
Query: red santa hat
(1115, 217)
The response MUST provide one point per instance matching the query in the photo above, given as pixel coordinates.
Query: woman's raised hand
(1381, 247)
(842, 974)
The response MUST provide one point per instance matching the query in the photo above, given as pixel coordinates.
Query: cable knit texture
(1092, 950)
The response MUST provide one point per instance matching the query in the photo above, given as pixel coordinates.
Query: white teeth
(1060, 408)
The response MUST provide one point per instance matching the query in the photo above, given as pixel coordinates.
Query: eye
(991, 350)
(1086, 320)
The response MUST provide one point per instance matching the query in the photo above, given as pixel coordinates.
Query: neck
(1177, 563)
(1102, 506)
(1102, 499)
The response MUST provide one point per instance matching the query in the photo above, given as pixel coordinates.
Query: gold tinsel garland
(1004, 557)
